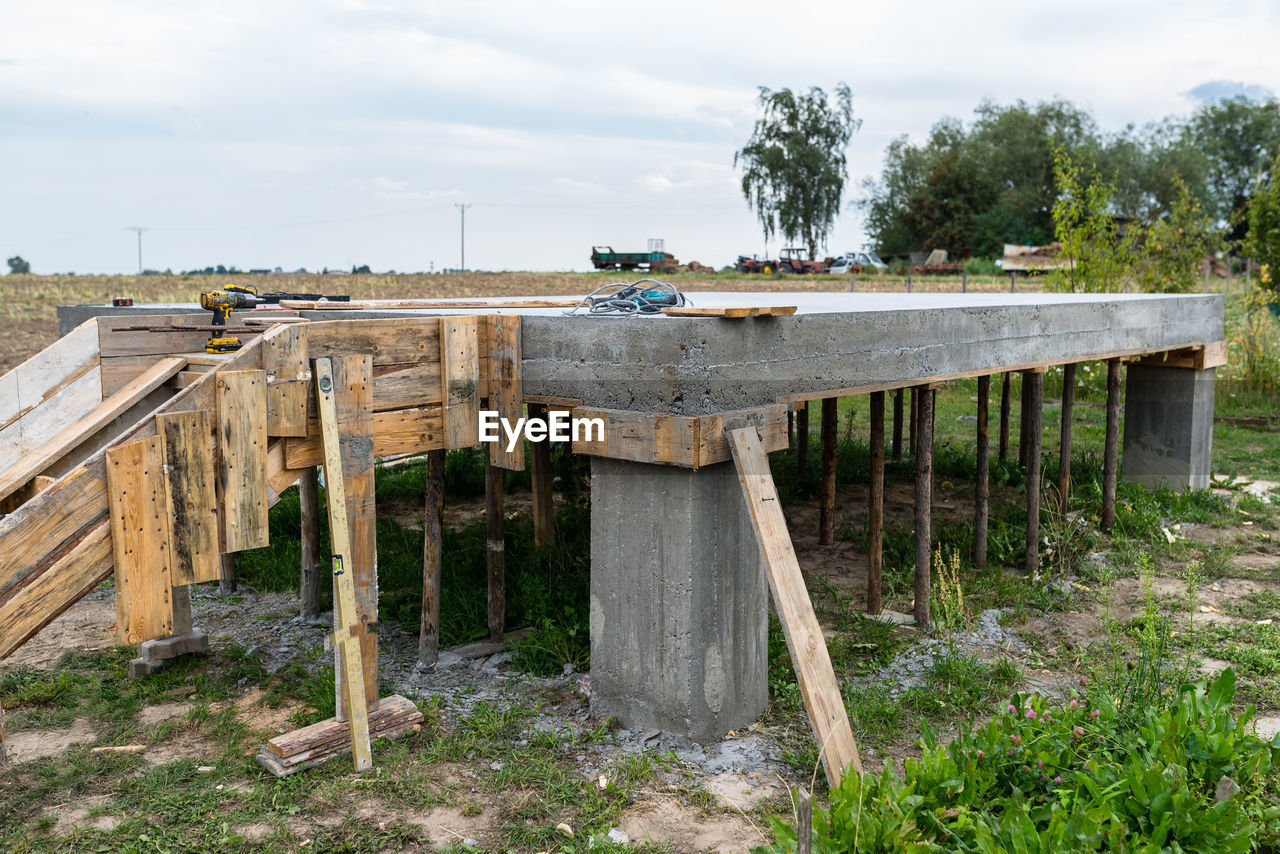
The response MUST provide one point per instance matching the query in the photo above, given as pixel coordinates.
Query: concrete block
(164, 649)
(140, 667)
(1168, 426)
(679, 619)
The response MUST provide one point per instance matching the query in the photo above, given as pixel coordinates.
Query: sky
(330, 134)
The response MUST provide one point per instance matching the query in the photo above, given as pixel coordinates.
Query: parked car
(846, 262)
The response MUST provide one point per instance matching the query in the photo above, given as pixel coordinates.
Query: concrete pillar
(1168, 426)
(679, 619)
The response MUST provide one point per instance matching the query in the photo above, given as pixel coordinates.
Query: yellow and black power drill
(222, 303)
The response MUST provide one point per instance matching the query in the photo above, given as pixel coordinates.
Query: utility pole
(462, 209)
(139, 229)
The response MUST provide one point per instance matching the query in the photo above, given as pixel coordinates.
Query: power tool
(232, 297)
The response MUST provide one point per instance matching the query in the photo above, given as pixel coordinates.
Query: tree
(793, 165)
(1098, 257)
(18, 265)
(1263, 241)
(1176, 245)
(1239, 138)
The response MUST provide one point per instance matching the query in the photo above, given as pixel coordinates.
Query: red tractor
(794, 260)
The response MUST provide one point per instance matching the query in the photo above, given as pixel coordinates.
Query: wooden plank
(394, 341)
(541, 477)
(805, 641)
(118, 371)
(460, 380)
(644, 437)
(405, 386)
(875, 507)
(1064, 438)
(44, 375)
(731, 312)
(713, 431)
(101, 415)
(495, 550)
(1111, 447)
(432, 558)
(290, 745)
(33, 428)
(242, 470)
(982, 487)
(827, 482)
(1210, 355)
(441, 304)
(284, 357)
(139, 542)
(401, 431)
(190, 495)
(923, 519)
(348, 626)
(1035, 410)
(505, 384)
(116, 340)
(312, 559)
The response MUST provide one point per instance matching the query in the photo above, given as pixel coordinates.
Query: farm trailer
(678, 610)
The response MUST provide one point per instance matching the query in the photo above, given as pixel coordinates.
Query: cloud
(1221, 90)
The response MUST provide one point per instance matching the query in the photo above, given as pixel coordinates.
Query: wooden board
(731, 312)
(294, 747)
(1211, 355)
(139, 543)
(79, 430)
(242, 468)
(681, 440)
(284, 357)
(404, 386)
(441, 304)
(190, 495)
(460, 380)
(348, 627)
(505, 384)
(115, 339)
(805, 641)
(47, 373)
(36, 425)
(394, 341)
(401, 431)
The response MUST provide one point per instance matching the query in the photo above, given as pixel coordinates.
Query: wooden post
(1004, 417)
(1013, 278)
(791, 427)
(827, 494)
(544, 509)
(924, 500)
(432, 558)
(897, 423)
(493, 510)
(1023, 416)
(227, 574)
(804, 822)
(982, 488)
(802, 438)
(908, 283)
(1033, 387)
(3, 758)
(964, 283)
(912, 446)
(1064, 442)
(1111, 448)
(853, 283)
(312, 561)
(875, 506)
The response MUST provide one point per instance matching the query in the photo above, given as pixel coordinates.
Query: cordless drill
(222, 303)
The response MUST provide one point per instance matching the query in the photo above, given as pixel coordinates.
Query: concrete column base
(1168, 426)
(679, 600)
(155, 655)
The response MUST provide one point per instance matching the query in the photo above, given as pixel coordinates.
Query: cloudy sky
(289, 133)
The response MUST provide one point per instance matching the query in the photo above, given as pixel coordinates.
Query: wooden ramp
(128, 450)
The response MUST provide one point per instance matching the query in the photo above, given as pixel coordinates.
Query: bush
(1091, 775)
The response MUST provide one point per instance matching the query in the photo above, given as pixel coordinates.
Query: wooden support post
(1004, 417)
(432, 557)
(1013, 279)
(140, 547)
(493, 511)
(544, 510)
(982, 488)
(1033, 388)
(791, 427)
(897, 424)
(827, 494)
(1023, 416)
(804, 821)
(1111, 447)
(924, 500)
(875, 506)
(805, 642)
(312, 560)
(1064, 442)
(3, 757)
(802, 439)
(348, 625)
(964, 283)
(227, 574)
(908, 283)
(914, 437)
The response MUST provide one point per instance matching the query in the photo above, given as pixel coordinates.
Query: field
(508, 758)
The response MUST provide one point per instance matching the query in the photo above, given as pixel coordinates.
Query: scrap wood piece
(190, 495)
(293, 747)
(1200, 357)
(100, 416)
(347, 627)
(284, 357)
(505, 390)
(242, 473)
(139, 541)
(442, 304)
(731, 312)
(460, 380)
(691, 441)
(400, 431)
(805, 641)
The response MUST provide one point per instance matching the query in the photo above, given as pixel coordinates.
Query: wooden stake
(544, 510)
(805, 641)
(827, 495)
(347, 624)
(802, 439)
(1033, 387)
(1111, 448)
(804, 822)
(1004, 417)
(982, 489)
(432, 558)
(897, 424)
(227, 574)
(493, 511)
(913, 443)
(924, 500)
(1023, 416)
(1064, 442)
(309, 503)
(875, 506)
